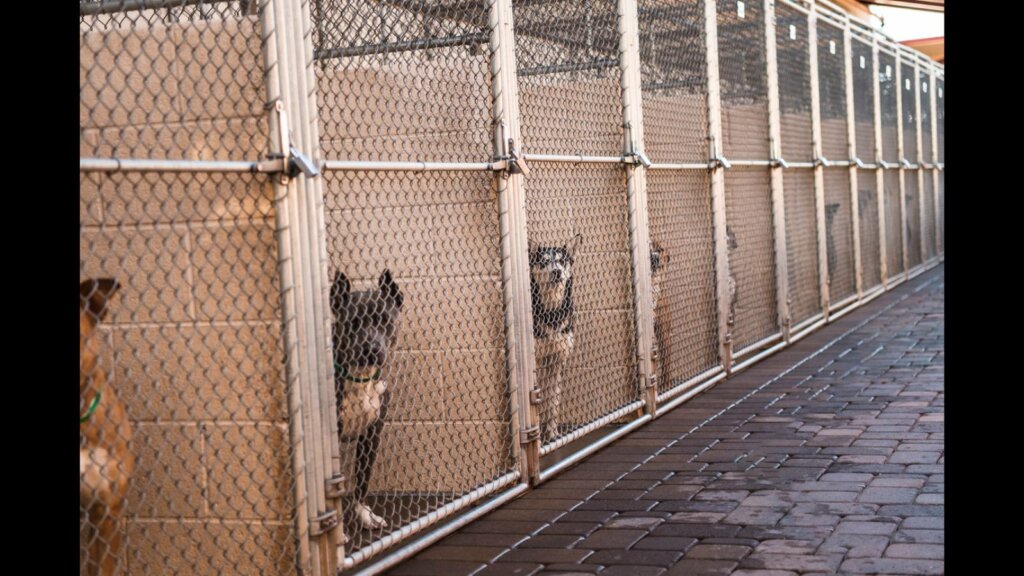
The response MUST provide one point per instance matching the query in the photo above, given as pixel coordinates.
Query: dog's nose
(556, 275)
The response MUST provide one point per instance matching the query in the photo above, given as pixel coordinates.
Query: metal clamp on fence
(857, 162)
(940, 165)
(719, 161)
(512, 163)
(637, 158)
(905, 163)
(779, 162)
(886, 165)
(822, 161)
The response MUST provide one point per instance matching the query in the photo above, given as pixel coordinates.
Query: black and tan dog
(365, 329)
(662, 318)
(105, 461)
(551, 278)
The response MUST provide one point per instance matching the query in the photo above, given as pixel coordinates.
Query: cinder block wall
(195, 343)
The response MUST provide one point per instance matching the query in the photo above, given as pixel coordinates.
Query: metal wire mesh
(567, 55)
(191, 416)
(893, 223)
(839, 234)
(887, 100)
(925, 96)
(683, 275)
(743, 77)
(870, 254)
(583, 329)
(672, 58)
(794, 83)
(913, 207)
(403, 80)
(863, 100)
(170, 79)
(928, 224)
(832, 91)
(801, 245)
(428, 344)
(942, 209)
(752, 261)
(193, 354)
(940, 117)
(909, 87)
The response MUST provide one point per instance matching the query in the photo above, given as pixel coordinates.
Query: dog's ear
(573, 245)
(531, 246)
(93, 295)
(340, 290)
(389, 289)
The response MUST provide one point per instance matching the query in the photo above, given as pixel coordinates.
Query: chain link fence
(351, 271)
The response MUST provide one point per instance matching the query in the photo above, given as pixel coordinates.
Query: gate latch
(334, 487)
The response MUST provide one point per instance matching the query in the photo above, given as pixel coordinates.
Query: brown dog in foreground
(105, 462)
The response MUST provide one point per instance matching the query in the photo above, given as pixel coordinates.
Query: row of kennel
(718, 177)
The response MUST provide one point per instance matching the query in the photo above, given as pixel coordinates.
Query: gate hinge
(637, 158)
(528, 435)
(334, 487)
(651, 381)
(323, 523)
(514, 164)
(535, 397)
(719, 161)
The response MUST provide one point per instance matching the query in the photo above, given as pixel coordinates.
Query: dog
(105, 461)
(551, 278)
(662, 326)
(364, 331)
(732, 245)
(831, 257)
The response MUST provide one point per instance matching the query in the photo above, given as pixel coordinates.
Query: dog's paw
(367, 519)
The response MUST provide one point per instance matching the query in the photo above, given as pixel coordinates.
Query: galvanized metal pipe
(430, 519)
(406, 46)
(851, 147)
(404, 553)
(807, 322)
(584, 452)
(681, 166)
(590, 427)
(191, 166)
(824, 288)
(329, 165)
(883, 250)
(579, 158)
(758, 345)
(684, 386)
(690, 393)
(775, 174)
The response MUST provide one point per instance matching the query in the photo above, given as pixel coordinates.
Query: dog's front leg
(366, 455)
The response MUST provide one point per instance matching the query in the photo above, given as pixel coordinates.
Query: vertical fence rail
(851, 145)
(723, 276)
(880, 192)
(636, 189)
(934, 172)
(819, 166)
(782, 286)
(902, 161)
(515, 266)
(310, 498)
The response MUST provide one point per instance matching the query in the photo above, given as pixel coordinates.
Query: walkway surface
(825, 458)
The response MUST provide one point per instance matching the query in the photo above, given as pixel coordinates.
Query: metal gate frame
(295, 162)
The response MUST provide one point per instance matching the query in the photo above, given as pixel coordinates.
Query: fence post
(636, 183)
(851, 144)
(933, 103)
(718, 206)
(299, 227)
(819, 168)
(919, 160)
(899, 154)
(515, 265)
(883, 251)
(775, 154)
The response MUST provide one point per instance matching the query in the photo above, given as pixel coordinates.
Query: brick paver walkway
(825, 458)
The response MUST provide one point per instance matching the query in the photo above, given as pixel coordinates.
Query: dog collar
(350, 378)
(92, 408)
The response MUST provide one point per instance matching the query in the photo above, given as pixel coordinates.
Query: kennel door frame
(775, 170)
(292, 106)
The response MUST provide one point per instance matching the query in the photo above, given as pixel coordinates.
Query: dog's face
(93, 296)
(731, 239)
(366, 322)
(551, 269)
(659, 257)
